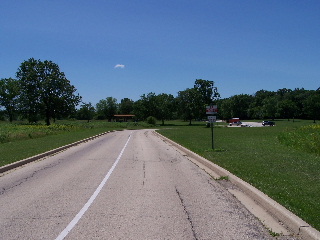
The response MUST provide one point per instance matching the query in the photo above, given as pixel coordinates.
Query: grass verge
(290, 176)
(20, 141)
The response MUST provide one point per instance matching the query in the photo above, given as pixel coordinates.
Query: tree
(287, 109)
(9, 92)
(189, 102)
(240, 105)
(146, 106)
(270, 107)
(29, 100)
(208, 93)
(312, 105)
(45, 91)
(86, 112)
(225, 108)
(126, 106)
(165, 106)
(107, 108)
(298, 96)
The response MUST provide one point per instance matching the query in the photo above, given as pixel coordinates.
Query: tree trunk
(48, 117)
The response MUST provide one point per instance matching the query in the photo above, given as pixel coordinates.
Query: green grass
(21, 140)
(288, 175)
(306, 138)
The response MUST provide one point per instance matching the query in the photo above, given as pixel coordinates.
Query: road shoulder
(274, 216)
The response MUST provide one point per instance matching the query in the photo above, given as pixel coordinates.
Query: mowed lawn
(289, 176)
(21, 140)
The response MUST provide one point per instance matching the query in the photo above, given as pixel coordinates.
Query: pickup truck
(268, 123)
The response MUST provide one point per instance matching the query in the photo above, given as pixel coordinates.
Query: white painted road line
(76, 219)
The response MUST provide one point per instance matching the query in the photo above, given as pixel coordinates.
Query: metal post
(212, 135)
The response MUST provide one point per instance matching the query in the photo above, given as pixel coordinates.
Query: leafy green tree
(9, 92)
(256, 112)
(259, 107)
(225, 108)
(139, 110)
(260, 96)
(312, 105)
(270, 107)
(146, 106)
(126, 106)
(298, 96)
(86, 112)
(45, 91)
(208, 94)
(107, 108)
(2, 114)
(241, 105)
(30, 99)
(287, 109)
(165, 104)
(189, 103)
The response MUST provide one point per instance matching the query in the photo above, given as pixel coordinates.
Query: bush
(151, 120)
(306, 138)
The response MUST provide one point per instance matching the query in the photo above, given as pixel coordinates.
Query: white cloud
(119, 66)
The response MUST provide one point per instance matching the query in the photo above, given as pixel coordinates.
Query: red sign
(213, 109)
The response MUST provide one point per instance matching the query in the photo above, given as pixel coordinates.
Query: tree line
(283, 104)
(188, 105)
(42, 92)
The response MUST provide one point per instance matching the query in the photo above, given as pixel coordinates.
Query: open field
(20, 140)
(289, 175)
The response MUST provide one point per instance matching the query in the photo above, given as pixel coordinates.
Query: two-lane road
(123, 185)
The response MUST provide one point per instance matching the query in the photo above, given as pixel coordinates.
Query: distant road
(123, 185)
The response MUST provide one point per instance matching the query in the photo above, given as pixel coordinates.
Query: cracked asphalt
(153, 193)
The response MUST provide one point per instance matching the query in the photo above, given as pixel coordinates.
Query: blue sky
(126, 48)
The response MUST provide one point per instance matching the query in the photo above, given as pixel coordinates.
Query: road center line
(71, 225)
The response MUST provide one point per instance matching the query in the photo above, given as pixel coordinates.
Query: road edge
(279, 212)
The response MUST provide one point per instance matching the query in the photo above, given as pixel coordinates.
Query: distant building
(123, 117)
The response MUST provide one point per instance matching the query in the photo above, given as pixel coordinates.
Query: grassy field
(289, 175)
(20, 140)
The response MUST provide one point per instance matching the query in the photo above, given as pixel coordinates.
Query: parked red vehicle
(234, 121)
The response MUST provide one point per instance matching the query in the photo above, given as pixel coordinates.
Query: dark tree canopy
(45, 91)
(146, 106)
(126, 106)
(283, 104)
(165, 106)
(107, 108)
(9, 93)
(86, 112)
(208, 92)
(190, 104)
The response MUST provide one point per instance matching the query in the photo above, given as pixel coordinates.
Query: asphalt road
(123, 185)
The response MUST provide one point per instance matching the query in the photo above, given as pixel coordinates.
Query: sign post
(212, 110)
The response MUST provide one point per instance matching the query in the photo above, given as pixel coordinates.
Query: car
(268, 123)
(235, 123)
